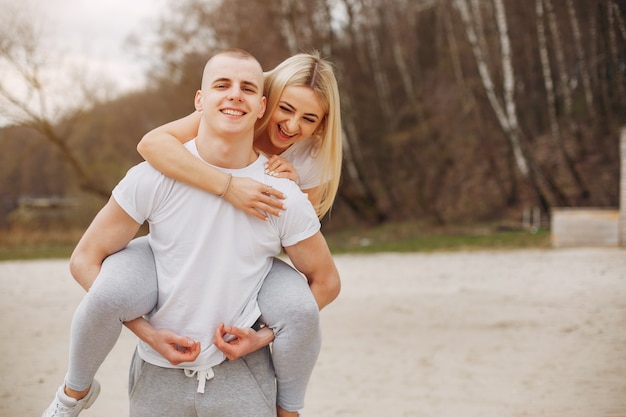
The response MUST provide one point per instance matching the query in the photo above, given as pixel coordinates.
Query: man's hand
(176, 349)
(241, 341)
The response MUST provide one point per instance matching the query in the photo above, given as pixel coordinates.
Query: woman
(301, 129)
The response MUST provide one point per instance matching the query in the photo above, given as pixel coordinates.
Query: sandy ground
(470, 334)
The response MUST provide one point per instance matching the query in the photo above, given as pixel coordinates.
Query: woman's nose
(292, 124)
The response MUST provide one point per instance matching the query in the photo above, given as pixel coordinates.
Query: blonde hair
(312, 71)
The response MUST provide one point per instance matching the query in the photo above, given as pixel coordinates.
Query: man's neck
(226, 152)
(224, 149)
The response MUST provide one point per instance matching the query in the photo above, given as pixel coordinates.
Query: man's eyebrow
(251, 84)
(286, 103)
(228, 80)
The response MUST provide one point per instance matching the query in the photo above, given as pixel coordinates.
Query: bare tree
(550, 93)
(505, 112)
(580, 54)
(616, 25)
(559, 55)
(546, 69)
(381, 81)
(26, 98)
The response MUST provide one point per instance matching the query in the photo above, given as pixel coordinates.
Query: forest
(453, 111)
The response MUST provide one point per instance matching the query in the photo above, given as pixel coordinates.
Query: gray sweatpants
(126, 288)
(243, 387)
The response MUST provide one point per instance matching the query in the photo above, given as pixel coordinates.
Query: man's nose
(235, 94)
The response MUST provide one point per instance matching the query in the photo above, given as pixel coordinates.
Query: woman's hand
(278, 166)
(254, 197)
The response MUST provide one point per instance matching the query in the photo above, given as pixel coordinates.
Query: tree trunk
(582, 64)
(508, 126)
(613, 16)
(287, 26)
(381, 83)
(399, 56)
(560, 58)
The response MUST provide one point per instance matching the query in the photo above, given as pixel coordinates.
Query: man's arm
(110, 231)
(313, 258)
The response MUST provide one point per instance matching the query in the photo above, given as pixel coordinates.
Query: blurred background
(456, 113)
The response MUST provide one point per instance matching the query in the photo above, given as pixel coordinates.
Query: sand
(468, 334)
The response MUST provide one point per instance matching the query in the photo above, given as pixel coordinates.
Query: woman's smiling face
(296, 117)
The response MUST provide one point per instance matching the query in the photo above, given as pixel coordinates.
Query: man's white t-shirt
(211, 257)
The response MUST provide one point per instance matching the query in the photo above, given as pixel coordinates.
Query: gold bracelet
(230, 177)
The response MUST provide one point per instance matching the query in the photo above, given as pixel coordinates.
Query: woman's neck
(264, 144)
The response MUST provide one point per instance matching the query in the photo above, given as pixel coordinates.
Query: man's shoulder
(143, 168)
(143, 174)
(284, 185)
(295, 199)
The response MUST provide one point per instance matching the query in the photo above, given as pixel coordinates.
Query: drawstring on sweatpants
(204, 375)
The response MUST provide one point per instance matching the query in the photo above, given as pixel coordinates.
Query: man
(210, 258)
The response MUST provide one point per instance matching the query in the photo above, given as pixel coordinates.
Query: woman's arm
(163, 148)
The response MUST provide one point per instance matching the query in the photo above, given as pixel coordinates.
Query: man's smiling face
(231, 99)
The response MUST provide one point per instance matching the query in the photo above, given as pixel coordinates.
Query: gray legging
(126, 288)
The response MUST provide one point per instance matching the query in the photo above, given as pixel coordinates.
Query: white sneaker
(65, 406)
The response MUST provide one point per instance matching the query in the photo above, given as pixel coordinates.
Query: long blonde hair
(312, 71)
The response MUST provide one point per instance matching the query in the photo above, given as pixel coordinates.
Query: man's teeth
(232, 112)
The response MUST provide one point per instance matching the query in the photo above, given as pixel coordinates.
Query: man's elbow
(335, 287)
(78, 269)
(332, 288)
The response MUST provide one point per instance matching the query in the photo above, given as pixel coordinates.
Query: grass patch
(409, 237)
(42, 250)
(400, 237)
(20, 244)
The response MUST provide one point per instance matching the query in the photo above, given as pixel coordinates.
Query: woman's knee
(126, 286)
(286, 298)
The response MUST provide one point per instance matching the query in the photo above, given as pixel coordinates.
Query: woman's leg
(126, 288)
(289, 308)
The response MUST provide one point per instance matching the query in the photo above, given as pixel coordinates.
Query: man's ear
(198, 101)
(263, 107)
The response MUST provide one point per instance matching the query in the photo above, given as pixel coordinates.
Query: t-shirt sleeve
(299, 221)
(139, 192)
